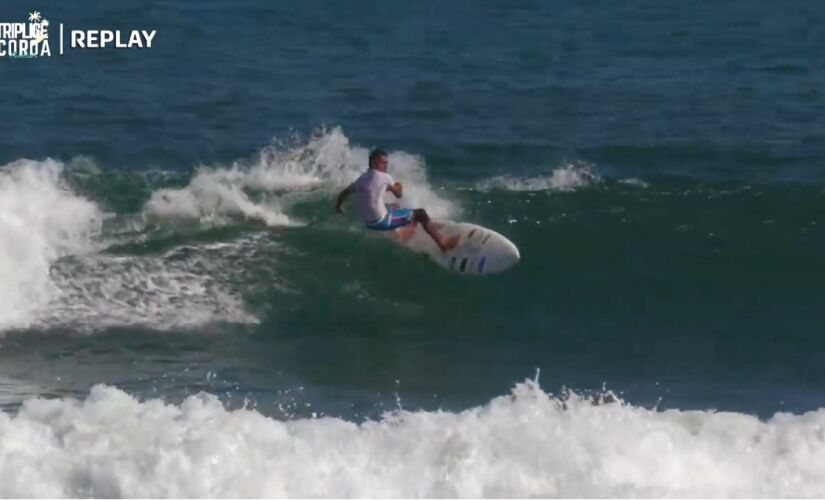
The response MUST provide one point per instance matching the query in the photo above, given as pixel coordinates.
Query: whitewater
(528, 443)
(56, 267)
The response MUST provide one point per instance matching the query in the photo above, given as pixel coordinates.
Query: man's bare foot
(450, 243)
(405, 233)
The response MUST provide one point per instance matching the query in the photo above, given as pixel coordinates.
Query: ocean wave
(54, 270)
(525, 444)
(287, 174)
(565, 178)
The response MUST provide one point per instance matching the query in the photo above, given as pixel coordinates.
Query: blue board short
(393, 220)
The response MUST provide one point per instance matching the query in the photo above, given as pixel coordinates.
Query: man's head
(378, 160)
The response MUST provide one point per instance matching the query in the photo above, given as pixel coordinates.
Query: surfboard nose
(513, 252)
(506, 256)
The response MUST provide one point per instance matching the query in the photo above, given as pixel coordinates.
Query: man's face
(381, 163)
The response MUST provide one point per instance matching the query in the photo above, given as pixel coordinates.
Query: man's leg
(445, 244)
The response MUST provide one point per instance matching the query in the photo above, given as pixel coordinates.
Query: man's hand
(339, 203)
(397, 189)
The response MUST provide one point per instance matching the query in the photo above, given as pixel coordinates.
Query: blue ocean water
(166, 230)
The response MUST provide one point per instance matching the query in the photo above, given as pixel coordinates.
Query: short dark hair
(375, 154)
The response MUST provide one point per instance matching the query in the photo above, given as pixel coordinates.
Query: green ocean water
(703, 294)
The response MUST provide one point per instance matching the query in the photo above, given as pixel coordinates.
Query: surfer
(370, 188)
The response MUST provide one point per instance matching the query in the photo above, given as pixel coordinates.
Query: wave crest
(528, 443)
(287, 174)
(566, 178)
(41, 220)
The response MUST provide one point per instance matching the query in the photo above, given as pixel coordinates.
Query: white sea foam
(633, 181)
(212, 194)
(41, 220)
(520, 445)
(566, 178)
(186, 287)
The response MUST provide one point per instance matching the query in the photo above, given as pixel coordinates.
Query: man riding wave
(370, 188)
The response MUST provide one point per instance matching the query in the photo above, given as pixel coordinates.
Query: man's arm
(396, 189)
(339, 205)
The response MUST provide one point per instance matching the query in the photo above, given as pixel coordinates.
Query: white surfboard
(480, 251)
